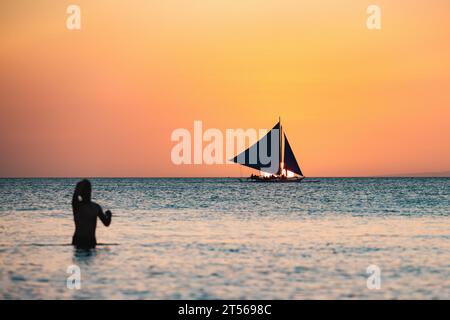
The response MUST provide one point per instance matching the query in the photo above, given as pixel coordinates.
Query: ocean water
(224, 239)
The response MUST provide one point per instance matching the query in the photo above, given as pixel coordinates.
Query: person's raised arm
(76, 193)
(104, 217)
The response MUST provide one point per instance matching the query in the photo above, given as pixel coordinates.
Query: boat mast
(280, 147)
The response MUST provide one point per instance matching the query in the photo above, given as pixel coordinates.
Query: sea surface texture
(226, 239)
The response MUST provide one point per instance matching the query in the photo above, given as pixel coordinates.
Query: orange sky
(104, 100)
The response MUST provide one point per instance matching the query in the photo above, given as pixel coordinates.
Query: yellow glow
(288, 173)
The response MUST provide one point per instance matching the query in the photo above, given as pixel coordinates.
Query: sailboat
(283, 166)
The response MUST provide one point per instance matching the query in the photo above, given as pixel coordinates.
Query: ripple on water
(219, 238)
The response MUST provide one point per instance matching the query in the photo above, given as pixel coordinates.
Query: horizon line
(418, 175)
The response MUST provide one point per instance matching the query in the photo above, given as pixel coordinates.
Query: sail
(263, 155)
(290, 163)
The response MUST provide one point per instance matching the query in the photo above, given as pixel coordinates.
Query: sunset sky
(104, 100)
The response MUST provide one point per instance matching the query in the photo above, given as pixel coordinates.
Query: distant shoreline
(414, 175)
(441, 174)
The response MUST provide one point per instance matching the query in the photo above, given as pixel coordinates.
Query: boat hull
(262, 179)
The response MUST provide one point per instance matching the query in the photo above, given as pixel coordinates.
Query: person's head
(84, 190)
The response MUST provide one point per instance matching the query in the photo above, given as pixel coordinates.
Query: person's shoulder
(96, 205)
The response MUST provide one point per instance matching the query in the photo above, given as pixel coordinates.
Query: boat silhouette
(282, 167)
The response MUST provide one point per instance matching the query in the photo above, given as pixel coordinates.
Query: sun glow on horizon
(286, 173)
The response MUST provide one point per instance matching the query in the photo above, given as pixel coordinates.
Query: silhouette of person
(85, 213)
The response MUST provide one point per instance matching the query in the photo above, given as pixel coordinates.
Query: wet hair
(84, 190)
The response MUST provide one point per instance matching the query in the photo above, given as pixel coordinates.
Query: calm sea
(221, 238)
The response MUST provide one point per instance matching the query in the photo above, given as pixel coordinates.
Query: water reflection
(84, 256)
(172, 241)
